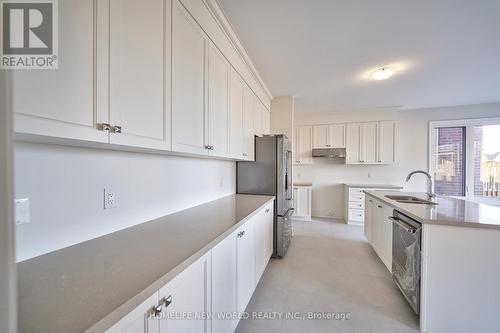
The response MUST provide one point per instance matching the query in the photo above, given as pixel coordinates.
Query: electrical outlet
(22, 211)
(110, 200)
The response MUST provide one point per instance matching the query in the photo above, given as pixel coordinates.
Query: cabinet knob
(166, 301)
(116, 129)
(103, 127)
(156, 310)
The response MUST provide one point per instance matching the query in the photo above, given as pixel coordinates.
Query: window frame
(469, 125)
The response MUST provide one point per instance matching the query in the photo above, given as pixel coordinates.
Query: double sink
(410, 199)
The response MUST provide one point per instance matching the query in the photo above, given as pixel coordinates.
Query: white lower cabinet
(378, 229)
(224, 288)
(186, 296)
(245, 265)
(263, 240)
(302, 202)
(138, 320)
(219, 283)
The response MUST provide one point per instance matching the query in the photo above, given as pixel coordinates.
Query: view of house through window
(465, 158)
(449, 168)
(486, 168)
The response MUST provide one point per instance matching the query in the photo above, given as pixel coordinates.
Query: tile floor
(329, 268)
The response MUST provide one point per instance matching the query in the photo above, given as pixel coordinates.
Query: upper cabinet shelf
(365, 143)
(157, 75)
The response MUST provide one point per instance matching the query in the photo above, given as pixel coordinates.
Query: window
(449, 168)
(465, 158)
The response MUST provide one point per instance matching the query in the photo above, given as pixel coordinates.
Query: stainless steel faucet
(430, 187)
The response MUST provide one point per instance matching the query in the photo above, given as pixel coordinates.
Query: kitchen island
(92, 285)
(460, 266)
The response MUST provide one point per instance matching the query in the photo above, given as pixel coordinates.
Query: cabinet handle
(103, 127)
(116, 129)
(241, 233)
(156, 310)
(379, 206)
(245, 154)
(207, 147)
(166, 301)
(267, 210)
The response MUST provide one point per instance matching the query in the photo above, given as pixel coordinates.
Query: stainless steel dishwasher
(406, 257)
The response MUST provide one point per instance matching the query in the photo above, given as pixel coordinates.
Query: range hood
(329, 152)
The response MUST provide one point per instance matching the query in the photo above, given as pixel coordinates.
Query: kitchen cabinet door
(218, 102)
(269, 231)
(368, 225)
(138, 320)
(336, 135)
(369, 143)
(190, 293)
(386, 142)
(237, 136)
(189, 86)
(65, 103)
(303, 202)
(139, 73)
(260, 244)
(353, 143)
(224, 283)
(248, 124)
(245, 265)
(303, 143)
(386, 239)
(321, 138)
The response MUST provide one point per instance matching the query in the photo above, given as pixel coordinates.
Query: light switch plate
(110, 200)
(22, 211)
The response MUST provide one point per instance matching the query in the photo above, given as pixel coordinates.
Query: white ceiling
(447, 51)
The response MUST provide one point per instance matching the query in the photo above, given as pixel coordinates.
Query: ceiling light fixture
(383, 73)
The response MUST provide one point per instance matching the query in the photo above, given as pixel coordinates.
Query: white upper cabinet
(329, 136)
(237, 137)
(262, 118)
(302, 146)
(337, 135)
(370, 143)
(219, 72)
(189, 86)
(139, 73)
(153, 74)
(353, 143)
(62, 103)
(320, 136)
(387, 136)
(248, 124)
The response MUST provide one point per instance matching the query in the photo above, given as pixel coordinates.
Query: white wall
(8, 293)
(411, 152)
(65, 187)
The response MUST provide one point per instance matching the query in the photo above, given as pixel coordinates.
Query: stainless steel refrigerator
(271, 174)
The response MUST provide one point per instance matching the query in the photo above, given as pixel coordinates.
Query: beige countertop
(448, 211)
(360, 185)
(92, 285)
